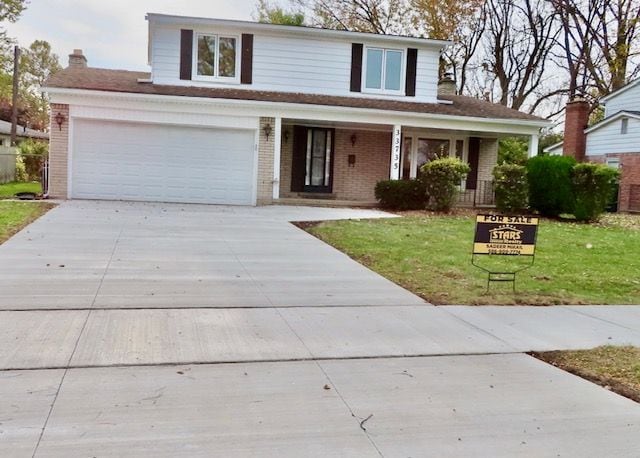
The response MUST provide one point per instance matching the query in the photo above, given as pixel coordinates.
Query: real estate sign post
(501, 235)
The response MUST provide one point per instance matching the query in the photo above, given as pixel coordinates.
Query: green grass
(431, 256)
(9, 190)
(615, 367)
(16, 215)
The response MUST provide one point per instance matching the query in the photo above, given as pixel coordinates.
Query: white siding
(608, 139)
(291, 64)
(626, 100)
(427, 75)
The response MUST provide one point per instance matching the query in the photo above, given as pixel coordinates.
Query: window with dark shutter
(356, 67)
(410, 81)
(186, 53)
(474, 158)
(246, 66)
(298, 163)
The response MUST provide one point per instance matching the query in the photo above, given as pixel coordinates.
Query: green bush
(401, 194)
(21, 171)
(33, 153)
(442, 178)
(593, 188)
(511, 187)
(550, 186)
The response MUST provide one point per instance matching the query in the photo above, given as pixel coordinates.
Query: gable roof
(619, 91)
(22, 132)
(190, 21)
(123, 81)
(618, 115)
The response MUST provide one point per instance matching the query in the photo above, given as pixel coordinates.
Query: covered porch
(339, 163)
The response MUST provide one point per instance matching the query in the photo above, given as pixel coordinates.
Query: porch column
(533, 145)
(396, 144)
(277, 143)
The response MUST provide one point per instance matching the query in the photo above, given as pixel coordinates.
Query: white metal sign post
(394, 173)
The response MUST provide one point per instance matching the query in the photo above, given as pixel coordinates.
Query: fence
(24, 172)
(483, 196)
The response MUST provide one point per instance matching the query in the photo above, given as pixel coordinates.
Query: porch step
(334, 203)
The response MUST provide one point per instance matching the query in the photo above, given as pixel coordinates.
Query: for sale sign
(505, 235)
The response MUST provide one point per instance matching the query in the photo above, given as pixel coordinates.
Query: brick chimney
(77, 59)
(575, 122)
(447, 85)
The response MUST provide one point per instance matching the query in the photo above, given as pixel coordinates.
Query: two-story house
(614, 141)
(245, 113)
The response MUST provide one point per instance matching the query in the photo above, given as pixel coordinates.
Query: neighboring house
(245, 113)
(8, 152)
(614, 141)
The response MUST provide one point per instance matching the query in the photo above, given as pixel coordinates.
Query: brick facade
(58, 152)
(373, 155)
(629, 196)
(265, 163)
(488, 158)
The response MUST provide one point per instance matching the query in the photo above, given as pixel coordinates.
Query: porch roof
(124, 81)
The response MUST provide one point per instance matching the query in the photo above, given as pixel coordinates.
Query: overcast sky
(112, 33)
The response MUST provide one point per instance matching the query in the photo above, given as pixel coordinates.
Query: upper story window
(624, 127)
(384, 71)
(216, 57)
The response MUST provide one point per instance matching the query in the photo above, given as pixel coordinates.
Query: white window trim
(416, 135)
(215, 79)
(382, 90)
(624, 126)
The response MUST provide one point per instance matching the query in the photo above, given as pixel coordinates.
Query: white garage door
(152, 162)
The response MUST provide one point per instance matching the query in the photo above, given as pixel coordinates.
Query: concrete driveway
(177, 330)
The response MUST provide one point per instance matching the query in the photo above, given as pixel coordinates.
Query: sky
(112, 33)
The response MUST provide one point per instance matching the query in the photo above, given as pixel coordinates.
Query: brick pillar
(576, 121)
(265, 162)
(58, 152)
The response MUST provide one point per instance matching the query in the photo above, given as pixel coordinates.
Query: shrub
(33, 152)
(442, 178)
(511, 187)
(593, 188)
(21, 171)
(550, 187)
(401, 194)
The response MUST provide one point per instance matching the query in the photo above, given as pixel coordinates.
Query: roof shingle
(98, 79)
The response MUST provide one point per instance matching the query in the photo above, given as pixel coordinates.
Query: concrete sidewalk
(177, 330)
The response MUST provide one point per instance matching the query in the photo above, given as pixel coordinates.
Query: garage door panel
(162, 163)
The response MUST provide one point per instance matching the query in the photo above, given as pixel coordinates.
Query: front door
(318, 176)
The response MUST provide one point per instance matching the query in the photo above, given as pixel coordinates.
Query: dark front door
(312, 169)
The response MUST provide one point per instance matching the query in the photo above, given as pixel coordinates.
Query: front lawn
(16, 215)
(9, 190)
(617, 368)
(431, 256)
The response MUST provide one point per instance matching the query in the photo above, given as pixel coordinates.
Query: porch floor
(310, 202)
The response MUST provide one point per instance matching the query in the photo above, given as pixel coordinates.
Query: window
(406, 158)
(624, 126)
(216, 57)
(613, 162)
(384, 70)
(430, 149)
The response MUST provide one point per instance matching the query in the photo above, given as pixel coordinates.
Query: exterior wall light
(267, 131)
(60, 119)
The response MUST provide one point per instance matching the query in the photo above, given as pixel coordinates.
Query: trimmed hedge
(550, 184)
(442, 179)
(511, 187)
(593, 188)
(401, 194)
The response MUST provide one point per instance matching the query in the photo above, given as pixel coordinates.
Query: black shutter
(299, 159)
(474, 156)
(246, 66)
(356, 67)
(186, 53)
(410, 81)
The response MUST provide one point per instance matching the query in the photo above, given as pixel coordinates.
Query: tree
(271, 14)
(375, 16)
(600, 44)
